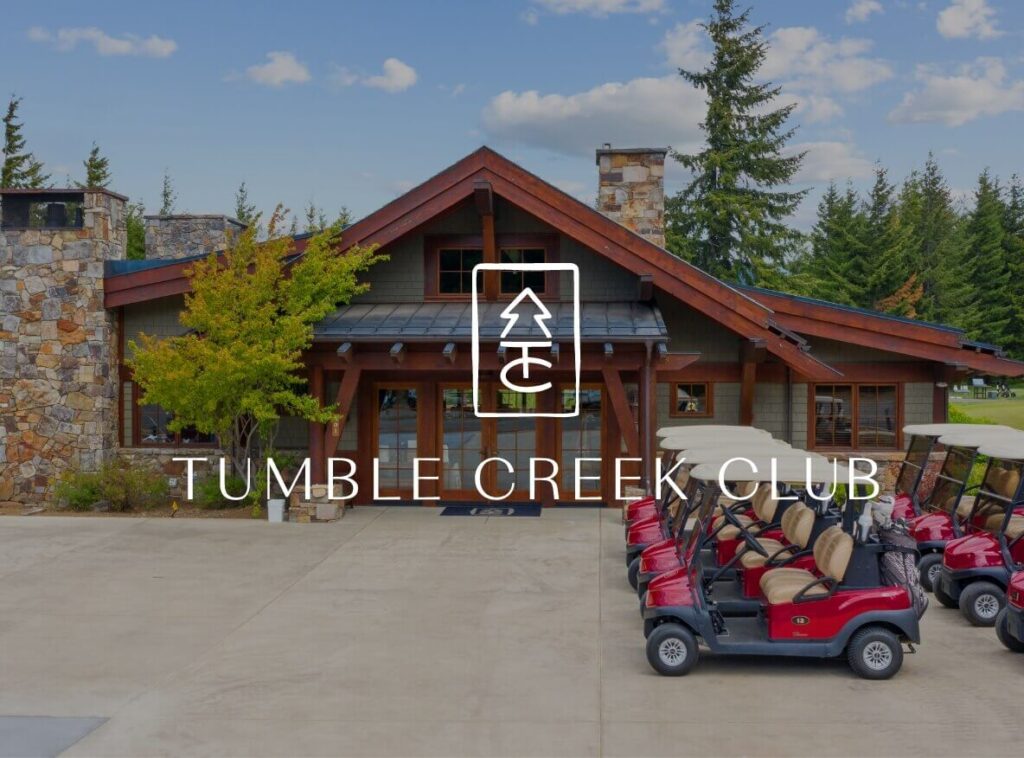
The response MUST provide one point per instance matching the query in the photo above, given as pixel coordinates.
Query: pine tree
(20, 169)
(316, 219)
(837, 248)
(730, 212)
(926, 207)
(135, 227)
(990, 314)
(1013, 245)
(168, 197)
(97, 169)
(889, 280)
(244, 210)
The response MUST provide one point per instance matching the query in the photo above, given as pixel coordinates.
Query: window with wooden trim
(514, 282)
(691, 400)
(856, 416)
(455, 269)
(147, 424)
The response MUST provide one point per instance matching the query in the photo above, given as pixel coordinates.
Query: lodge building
(660, 342)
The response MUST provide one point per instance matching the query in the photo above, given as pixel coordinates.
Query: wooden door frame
(378, 385)
(570, 495)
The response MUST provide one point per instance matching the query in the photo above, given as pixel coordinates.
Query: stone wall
(631, 189)
(186, 235)
(58, 360)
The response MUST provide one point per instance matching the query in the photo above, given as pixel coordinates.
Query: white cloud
(968, 18)
(395, 76)
(814, 108)
(686, 46)
(805, 59)
(650, 112)
(861, 10)
(601, 8)
(67, 38)
(826, 161)
(975, 90)
(280, 69)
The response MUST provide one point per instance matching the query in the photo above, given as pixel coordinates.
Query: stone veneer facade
(631, 189)
(186, 235)
(58, 349)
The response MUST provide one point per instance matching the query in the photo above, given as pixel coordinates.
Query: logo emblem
(525, 342)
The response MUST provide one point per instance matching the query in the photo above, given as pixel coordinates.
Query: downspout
(645, 419)
(789, 405)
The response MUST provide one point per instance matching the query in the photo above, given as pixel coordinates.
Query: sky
(352, 103)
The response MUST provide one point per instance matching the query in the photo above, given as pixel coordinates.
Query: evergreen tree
(20, 169)
(97, 169)
(990, 315)
(135, 227)
(731, 213)
(926, 207)
(168, 197)
(244, 210)
(886, 267)
(1013, 245)
(837, 247)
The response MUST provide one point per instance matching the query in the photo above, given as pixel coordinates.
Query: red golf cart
(976, 567)
(840, 608)
(1010, 621)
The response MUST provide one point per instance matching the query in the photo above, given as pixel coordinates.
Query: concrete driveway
(399, 632)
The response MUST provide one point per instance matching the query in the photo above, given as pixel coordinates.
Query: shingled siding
(158, 318)
(771, 411)
(917, 403)
(600, 279)
(690, 331)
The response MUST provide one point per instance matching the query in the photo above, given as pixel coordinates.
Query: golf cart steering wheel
(752, 543)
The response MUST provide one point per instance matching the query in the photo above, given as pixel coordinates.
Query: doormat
(491, 510)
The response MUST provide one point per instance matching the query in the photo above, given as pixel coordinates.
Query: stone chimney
(631, 189)
(58, 344)
(186, 235)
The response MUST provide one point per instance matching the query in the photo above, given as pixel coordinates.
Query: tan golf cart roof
(982, 435)
(1004, 450)
(938, 430)
(698, 456)
(722, 443)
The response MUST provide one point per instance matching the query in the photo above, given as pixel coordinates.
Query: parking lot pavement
(400, 632)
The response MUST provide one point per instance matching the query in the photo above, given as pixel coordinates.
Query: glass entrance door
(397, 422)
(580, 437)
(466, 441)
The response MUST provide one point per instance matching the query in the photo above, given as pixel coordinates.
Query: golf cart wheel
(1003, 633)
(634, 573)
(929, 567)
(981, 602)
(672, 650)
(943, 598)
(875, 653)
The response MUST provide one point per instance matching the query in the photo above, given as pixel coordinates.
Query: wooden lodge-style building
(661, 341)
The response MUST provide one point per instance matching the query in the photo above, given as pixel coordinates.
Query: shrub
(207, 494)
(123, 486)
(78, 490)
(960, 416)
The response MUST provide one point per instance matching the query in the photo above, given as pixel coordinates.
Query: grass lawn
(1009, 411)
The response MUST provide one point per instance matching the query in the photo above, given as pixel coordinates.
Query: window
(864, 416)
(514, 282)
(689, 400)
(147, 425)
(455, 270)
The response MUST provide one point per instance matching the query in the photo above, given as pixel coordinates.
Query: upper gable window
(455, 270)
(514, 282)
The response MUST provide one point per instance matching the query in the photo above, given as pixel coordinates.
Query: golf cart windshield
(1000, 492)
(709, 498)
(951, 480)
(915, 462)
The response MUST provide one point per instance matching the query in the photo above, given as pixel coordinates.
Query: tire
(928, 567)
(672, 650)
(633, 574)
(981, 602)
(1003, 633)
(875, 653)
(943, 598)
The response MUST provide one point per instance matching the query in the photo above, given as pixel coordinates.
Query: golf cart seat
(836, 560)
(797, 526)
(760, 505)
(822, 551)
(1014, 529)
(1005, 482)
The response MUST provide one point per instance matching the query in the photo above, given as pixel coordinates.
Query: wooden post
(484, 198)
(748, 383)
(316, 430)
(646, 421)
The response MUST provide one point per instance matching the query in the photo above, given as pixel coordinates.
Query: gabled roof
(769, 320)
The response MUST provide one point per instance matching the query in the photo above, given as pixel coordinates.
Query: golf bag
(899, 563)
